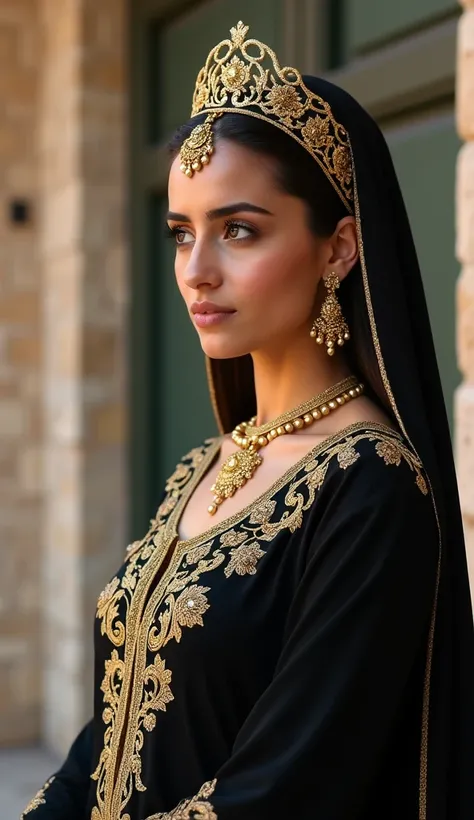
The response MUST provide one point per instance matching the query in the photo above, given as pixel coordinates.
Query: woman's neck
(285, 379)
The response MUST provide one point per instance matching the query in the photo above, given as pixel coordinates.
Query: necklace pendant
(234, 473)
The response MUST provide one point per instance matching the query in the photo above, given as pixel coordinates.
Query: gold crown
(234, 80)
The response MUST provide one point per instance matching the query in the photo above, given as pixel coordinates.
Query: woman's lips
(210, 319)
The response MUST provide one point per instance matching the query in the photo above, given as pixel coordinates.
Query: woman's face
(244, 246)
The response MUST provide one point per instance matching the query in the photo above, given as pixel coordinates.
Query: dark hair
(297, 173)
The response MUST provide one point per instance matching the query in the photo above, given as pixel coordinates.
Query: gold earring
(331, 327)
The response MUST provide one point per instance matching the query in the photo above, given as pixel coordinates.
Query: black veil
(402, 339)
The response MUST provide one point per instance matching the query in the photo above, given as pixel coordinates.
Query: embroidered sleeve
(195, 808)
(38, 800)
(65, 793)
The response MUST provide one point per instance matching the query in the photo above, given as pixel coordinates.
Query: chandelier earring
(331, 328)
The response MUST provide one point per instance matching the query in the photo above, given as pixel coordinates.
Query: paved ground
(22, 773)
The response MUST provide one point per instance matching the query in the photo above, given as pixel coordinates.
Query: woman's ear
(345, 247)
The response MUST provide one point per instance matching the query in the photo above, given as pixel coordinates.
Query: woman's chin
(222, 348)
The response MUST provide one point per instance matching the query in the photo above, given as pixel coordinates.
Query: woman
(293, 636)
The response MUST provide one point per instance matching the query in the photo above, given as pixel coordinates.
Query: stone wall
(20, 356)
(82, 138)
(465, 253)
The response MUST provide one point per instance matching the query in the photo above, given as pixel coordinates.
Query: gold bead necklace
(239, 467)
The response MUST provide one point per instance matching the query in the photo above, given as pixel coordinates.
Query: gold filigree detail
(239, 33)
(390, 452)
(393, 452)
(347, 456)
(244, 75)
(244, 560)
(316, 132)
(263, 512)
(232, 538)
(167, 506)
(198, 553)
(421, 484)
(39, 798)
(234, 74)
(107, 611)
(316, 477)
(286, 103)
(197, 807)
(341, 160)
(196, 150)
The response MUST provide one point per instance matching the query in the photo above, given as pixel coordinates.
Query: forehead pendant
(198, 147)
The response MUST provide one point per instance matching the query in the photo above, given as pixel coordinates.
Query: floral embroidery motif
(197, 807)
(232, 538)
(390, 451)
(189, 609)
(167, 506)
(393, 451)
(316, 477)
(421, 484)
(107, 611)
(244, 560)
(262, 512)
(198, 553)
(39, 798)
(347, 456)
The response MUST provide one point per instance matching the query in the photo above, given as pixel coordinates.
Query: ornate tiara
(234, 80)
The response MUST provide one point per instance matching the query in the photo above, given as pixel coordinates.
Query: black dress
(275, 666)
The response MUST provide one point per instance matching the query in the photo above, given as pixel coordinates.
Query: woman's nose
(201, 269)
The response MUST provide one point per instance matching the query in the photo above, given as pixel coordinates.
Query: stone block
(30, 470)
(24, 352)
(106, 425)
(465, 322)
(13, 419)
(464, 448)
(465, 204)
(62, 219)
(20, 308)
(465, 76)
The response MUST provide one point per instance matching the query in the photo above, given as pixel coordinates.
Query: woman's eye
(234, 231)
(182, 237)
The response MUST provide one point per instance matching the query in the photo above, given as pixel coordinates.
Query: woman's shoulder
(371, 458)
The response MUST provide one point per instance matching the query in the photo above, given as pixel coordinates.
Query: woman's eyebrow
(226, 210)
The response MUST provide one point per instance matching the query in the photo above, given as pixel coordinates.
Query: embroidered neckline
(171, 526)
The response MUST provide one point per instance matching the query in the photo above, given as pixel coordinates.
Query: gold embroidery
(195, 555)
(39, 799)
(107, 611)
(393, 451)
(262, 512)
(179, 601)
(389, 451)
(347, 456)
(317, 476)
(197, 807)
(118, 672)
(422, 485)
(233, 538)
(244, 560)
(245, 76)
